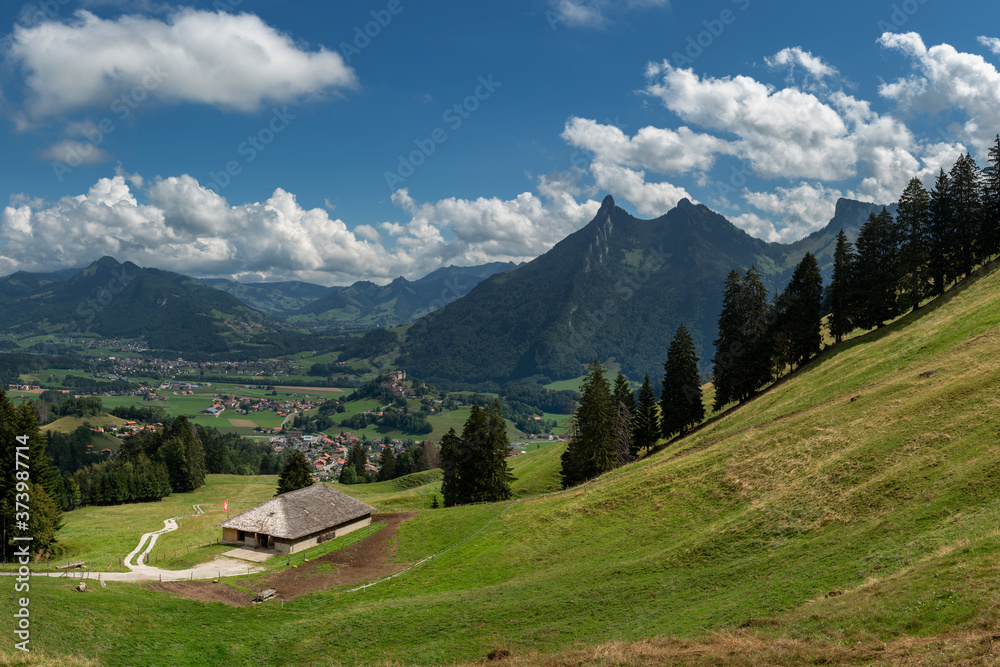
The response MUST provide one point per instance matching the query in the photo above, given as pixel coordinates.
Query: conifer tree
(623, 393)
(475, 464)
(780, 333)
(876, 273)
(681, 399)
(297, 474)
(19, 428)
(451, 480)
(742, 362)
(387, 462)
(173, 453)
(622, 435)
(356, 460)
(623, 399)
(991, 201)
(591, 451)
(804, 310)
(941, 237)
(647, 421)
(913, 221)
(729, 345)
(840, 288)
(497, 479)
(966, 197)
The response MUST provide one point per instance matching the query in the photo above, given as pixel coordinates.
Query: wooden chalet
(297, 520)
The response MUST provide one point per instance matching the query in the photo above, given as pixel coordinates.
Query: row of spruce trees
(936, 238)
(613, 426)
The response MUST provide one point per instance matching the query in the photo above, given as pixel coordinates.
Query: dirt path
(362, 561)
(204, 592)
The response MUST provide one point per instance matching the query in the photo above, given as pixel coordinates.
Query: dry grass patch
(748, 648)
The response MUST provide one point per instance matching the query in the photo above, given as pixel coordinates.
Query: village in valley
(287, 417)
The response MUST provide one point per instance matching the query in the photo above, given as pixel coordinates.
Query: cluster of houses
(245, 405)
(115, 344)
(23, 387)
(394, 383)
(328, 454)
(131, 366)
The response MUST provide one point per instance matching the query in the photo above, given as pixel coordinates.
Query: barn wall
(304, 543)
(229, 536)
(351, 527)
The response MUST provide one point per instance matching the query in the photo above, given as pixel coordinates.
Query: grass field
(611, 369)
(535, 473)
(848, 515)
(103, 535)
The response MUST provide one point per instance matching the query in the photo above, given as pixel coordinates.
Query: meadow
(847, 515)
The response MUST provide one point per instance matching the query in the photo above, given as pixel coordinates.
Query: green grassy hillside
(853, 508)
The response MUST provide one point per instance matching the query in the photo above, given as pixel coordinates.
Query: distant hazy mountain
(168, 310)
(276, 299)
(399, 302)
(618, 288)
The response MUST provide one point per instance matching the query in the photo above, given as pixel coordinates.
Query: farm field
(853, 504)
(70, 423)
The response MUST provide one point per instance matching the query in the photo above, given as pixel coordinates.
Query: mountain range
(615, 289)
(171, 311)
(168, 310)
(364, 303)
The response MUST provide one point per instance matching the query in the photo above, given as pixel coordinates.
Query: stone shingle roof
(299, 513)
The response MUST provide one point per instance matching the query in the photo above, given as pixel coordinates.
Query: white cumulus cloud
(945, 78)
(233, 62)
(189, 228)
(792, 57)
(657, 149)
(802, 210)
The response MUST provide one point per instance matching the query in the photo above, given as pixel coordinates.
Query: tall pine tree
(387, 462)
(623, 399)
(451, 481)
(591, 452)
(804, 310)
(991, 201)
(966, 197)
(742, 362)
(941, 236)
(354, 471)
(475, 464)
(840, 288)
(647, 421)
(913, 222)
(876, 273)
(681, 399)
(497, 476)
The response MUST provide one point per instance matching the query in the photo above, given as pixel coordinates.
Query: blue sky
(333, 142)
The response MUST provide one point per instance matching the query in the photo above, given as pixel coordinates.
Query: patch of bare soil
(362, 561)
(203, 591)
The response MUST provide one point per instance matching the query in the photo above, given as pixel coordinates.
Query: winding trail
(220, 566)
